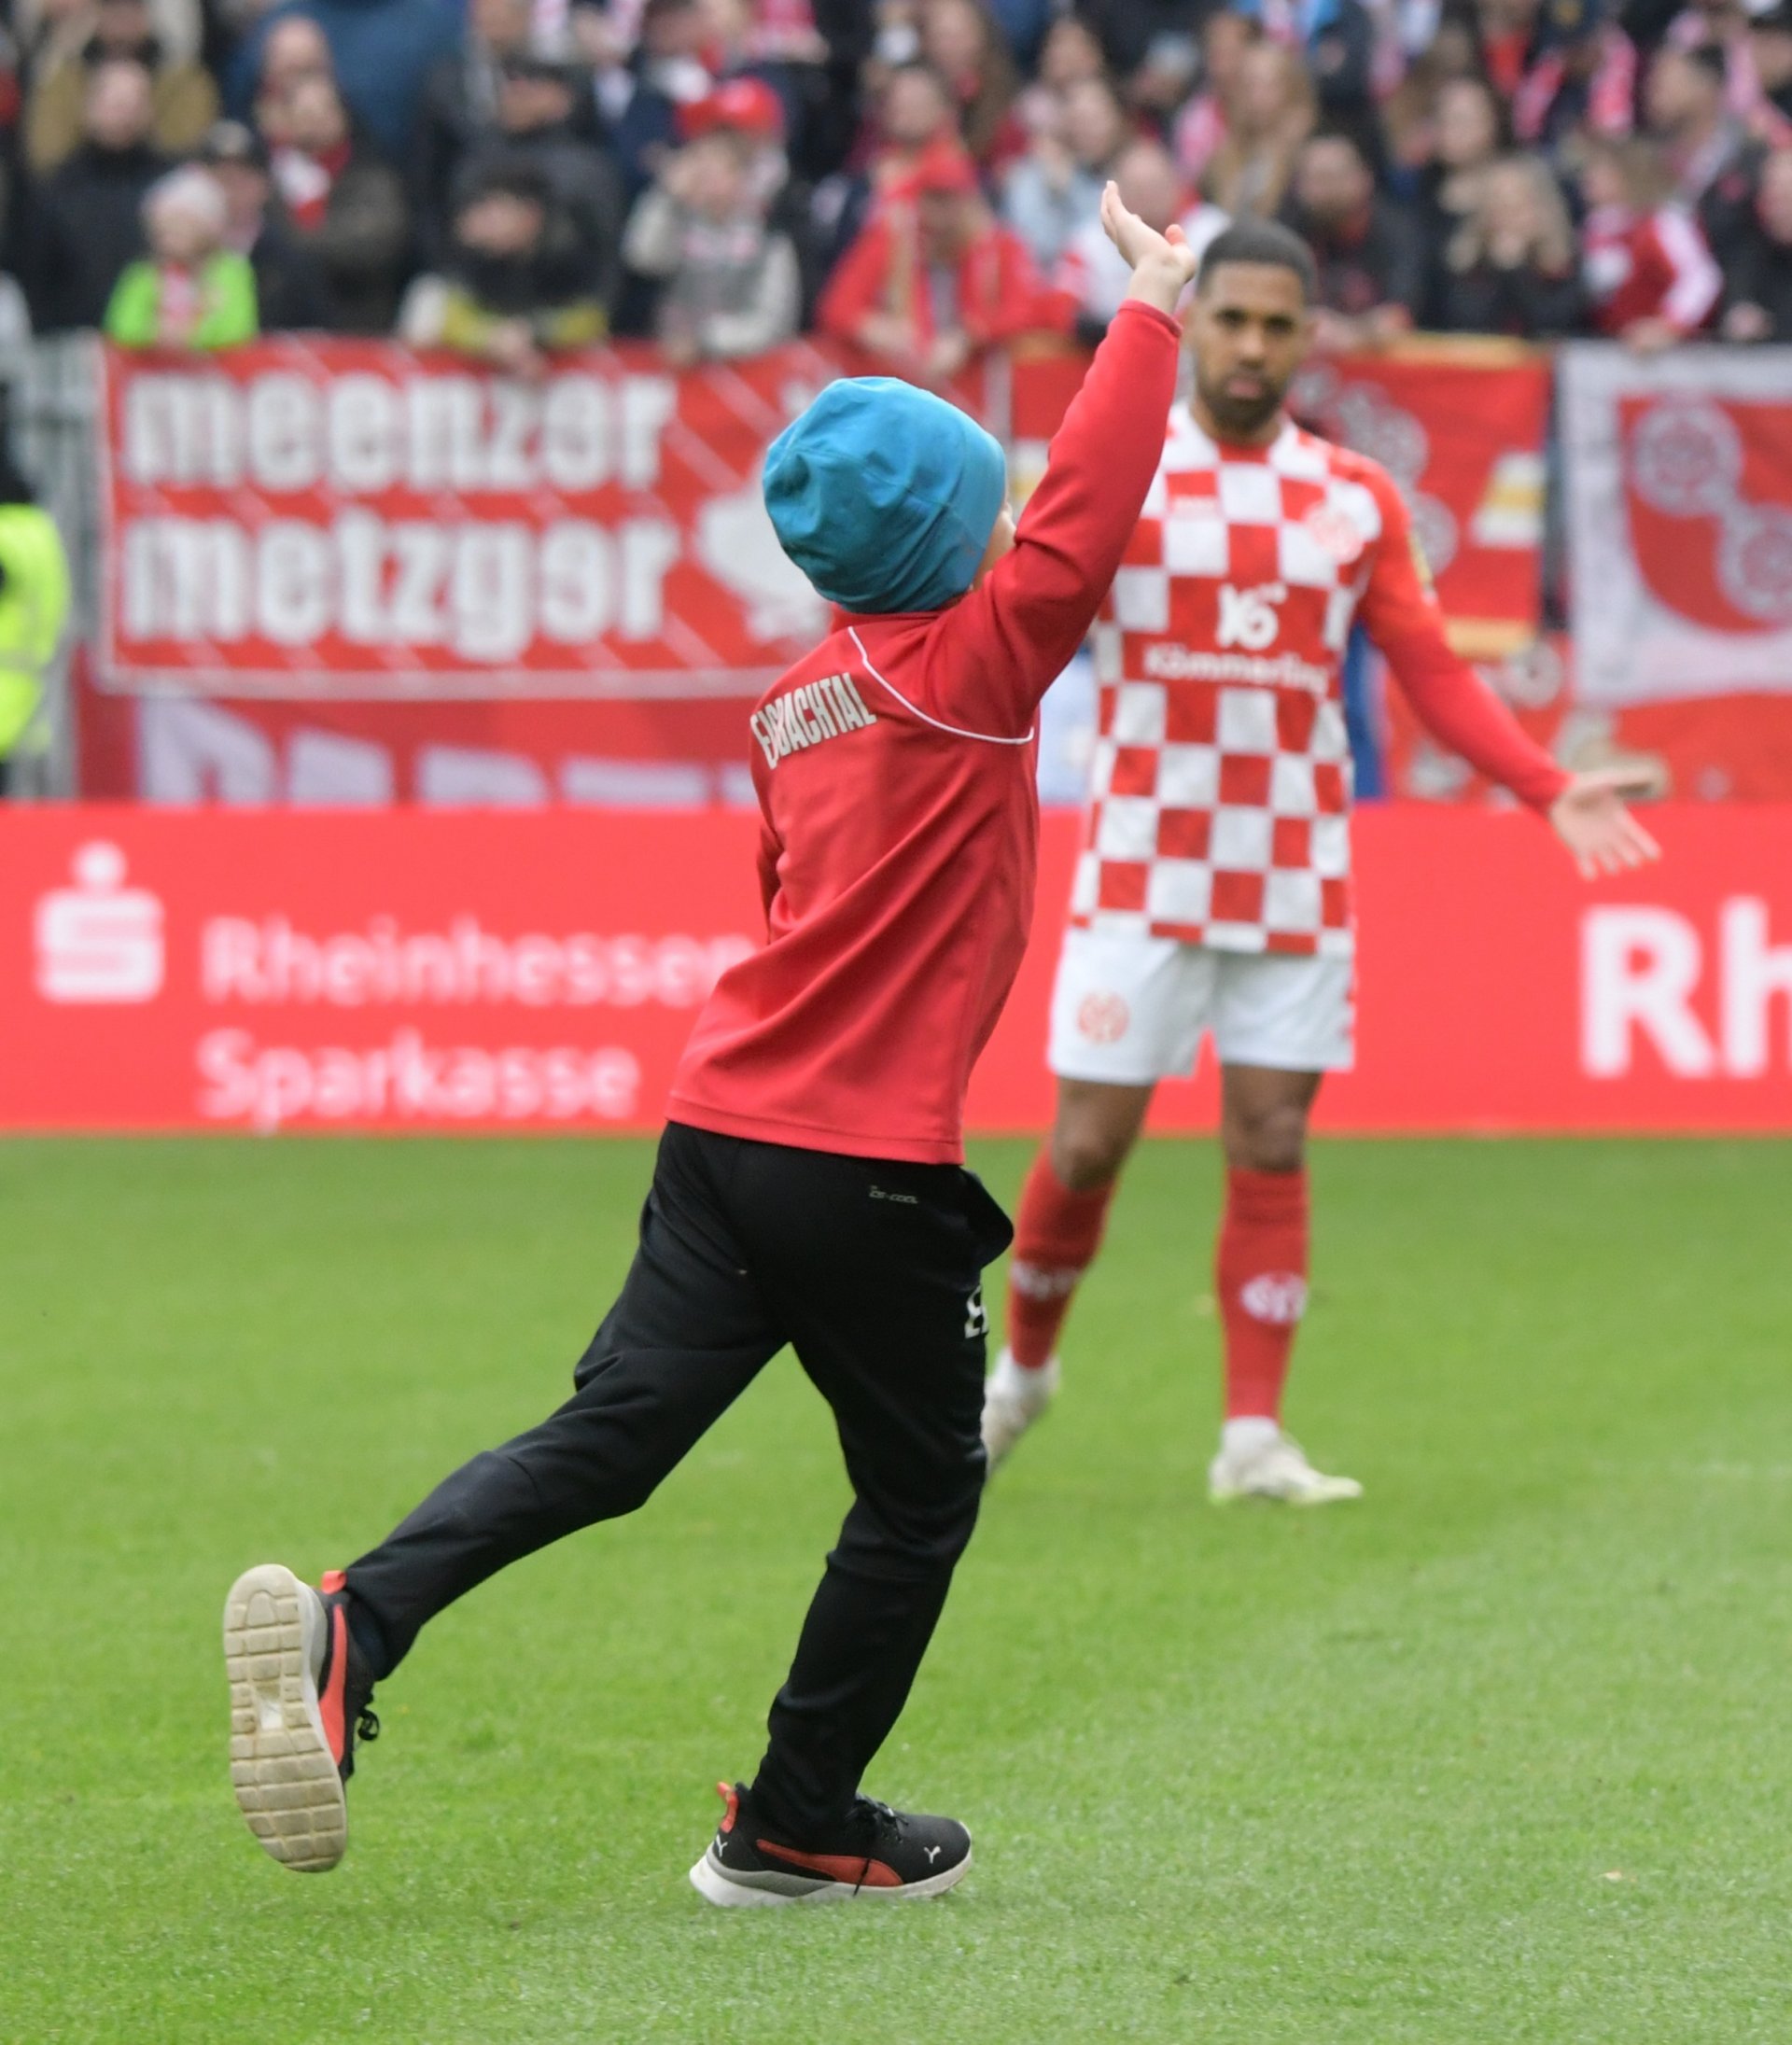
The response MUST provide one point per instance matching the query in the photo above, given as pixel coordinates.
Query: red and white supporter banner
(469, 970)
(320, 516)
(1679, 521)
(1460, 426)
(329, 518)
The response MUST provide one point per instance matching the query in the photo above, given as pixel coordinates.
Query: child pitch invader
(809, 1187)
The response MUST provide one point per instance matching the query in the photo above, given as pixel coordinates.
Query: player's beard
(1241, 418)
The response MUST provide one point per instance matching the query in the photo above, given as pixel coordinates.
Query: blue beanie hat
(885, 495)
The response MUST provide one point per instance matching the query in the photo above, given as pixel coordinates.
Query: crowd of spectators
(919, 178)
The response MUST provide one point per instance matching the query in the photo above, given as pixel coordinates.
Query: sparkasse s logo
(99, 941)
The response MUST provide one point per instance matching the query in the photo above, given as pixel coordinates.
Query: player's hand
(1163, 265)
(1591, 820)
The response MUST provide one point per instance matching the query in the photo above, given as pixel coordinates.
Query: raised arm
(1457, 707)
(1013, 634)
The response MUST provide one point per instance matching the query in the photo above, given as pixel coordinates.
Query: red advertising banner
(386, 971)
(312, 516)
(1460, 426)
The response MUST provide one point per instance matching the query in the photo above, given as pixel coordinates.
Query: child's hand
(1163, 265)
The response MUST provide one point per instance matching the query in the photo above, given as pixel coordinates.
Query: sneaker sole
(1282, 1498)
(715, 1885)
(285, 1777)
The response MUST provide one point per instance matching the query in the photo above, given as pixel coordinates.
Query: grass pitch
(1498, 1754)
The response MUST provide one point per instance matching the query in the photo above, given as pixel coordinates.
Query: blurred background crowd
(920, 177)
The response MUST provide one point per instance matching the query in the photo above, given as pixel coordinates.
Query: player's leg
(1126, 1012)
(877, 1269)
(687, 1335)
(1062, 1217)
(1279, 1024)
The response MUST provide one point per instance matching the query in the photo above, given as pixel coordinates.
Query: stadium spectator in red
(85, 222)
(809, 1187)
(289, 293)
(960, 40)
(729, 284)
(1201, 124)
(347, 204)
(750, 111)
(930, 284)
(1757, 294)
(1712, 157)
(183, 98)
(1270, 112)
(1370, 267)
(1054, 192)
(1650, 279)
(913, 110)
(1212, 893)
(1563, 69)
(1511, 267)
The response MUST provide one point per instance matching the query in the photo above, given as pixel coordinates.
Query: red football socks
(1056, 1234)
(1260, 1277)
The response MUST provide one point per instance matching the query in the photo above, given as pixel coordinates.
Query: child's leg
(686, 1336)
(878, 1270)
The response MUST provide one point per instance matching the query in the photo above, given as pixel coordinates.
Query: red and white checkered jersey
(1220, 783)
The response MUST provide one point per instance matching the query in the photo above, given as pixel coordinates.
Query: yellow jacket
(34, 605)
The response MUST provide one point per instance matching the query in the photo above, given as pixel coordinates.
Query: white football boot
(1271, 1466)
(1012, 1400)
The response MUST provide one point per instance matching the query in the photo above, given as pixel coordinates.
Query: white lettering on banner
(484, 590)
(408, 1079)
(266, 962)
(1755, 972)
(1639, 971)
(1639, 968)
(187, 579)
(282, 433)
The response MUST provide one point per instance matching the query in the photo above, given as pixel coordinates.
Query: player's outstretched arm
(1586, 811)
(1590, 818)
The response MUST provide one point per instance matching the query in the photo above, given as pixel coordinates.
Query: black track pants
(872, 1272)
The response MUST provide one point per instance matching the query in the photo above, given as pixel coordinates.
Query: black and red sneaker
(300, 1692)
(877, 1852)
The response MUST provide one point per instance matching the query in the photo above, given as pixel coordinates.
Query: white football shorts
(1129, 1010)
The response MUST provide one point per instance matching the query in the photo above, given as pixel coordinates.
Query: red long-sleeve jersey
(900, 826)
